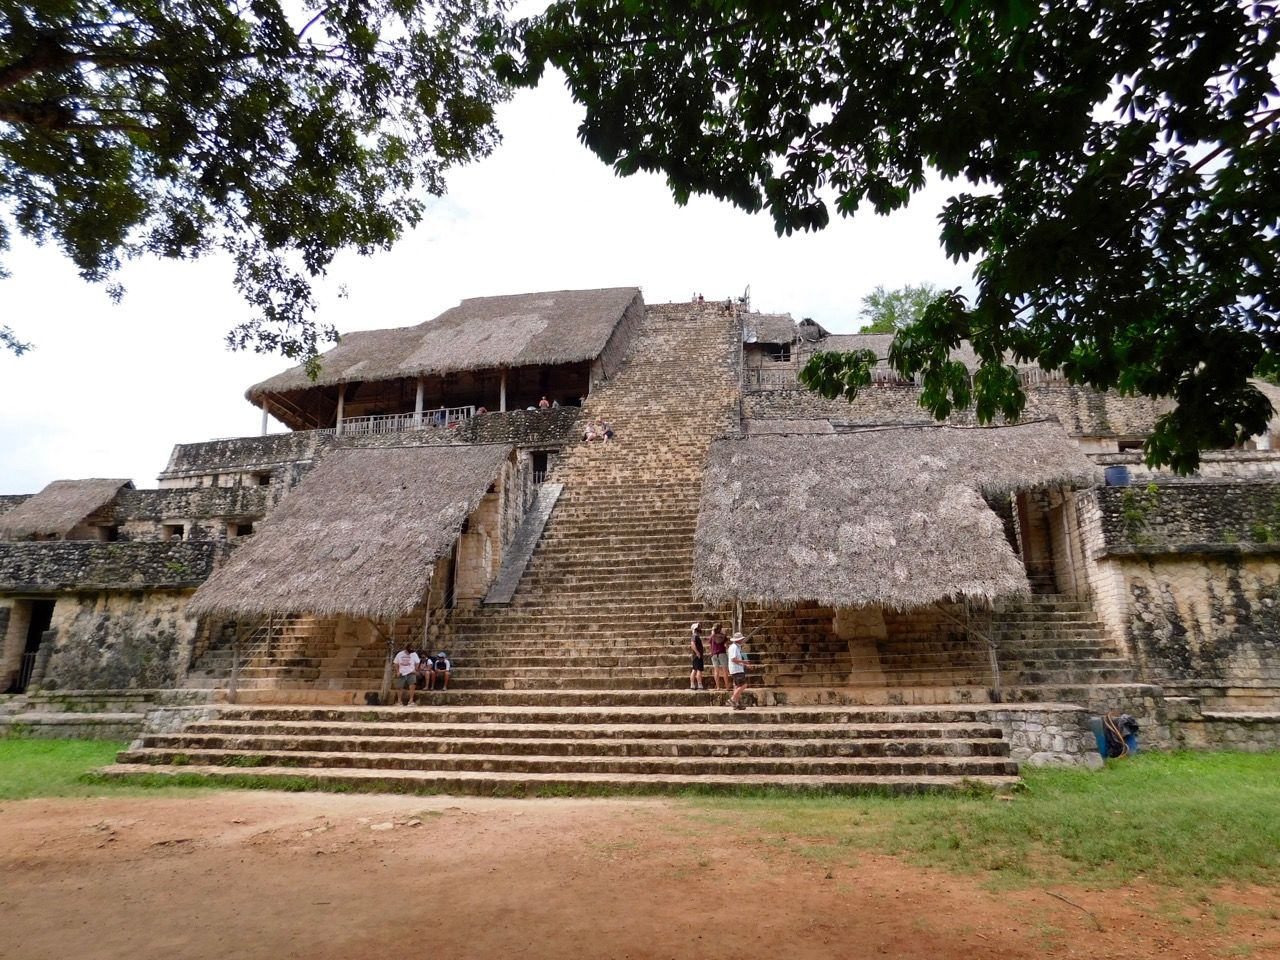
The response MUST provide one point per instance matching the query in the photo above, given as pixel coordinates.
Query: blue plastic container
(1117, 476)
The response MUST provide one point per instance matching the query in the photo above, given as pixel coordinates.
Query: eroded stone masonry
(924, 604)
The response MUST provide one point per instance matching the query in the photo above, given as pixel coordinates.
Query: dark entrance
(41, 616)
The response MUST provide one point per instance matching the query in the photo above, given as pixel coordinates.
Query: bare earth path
(269, 875)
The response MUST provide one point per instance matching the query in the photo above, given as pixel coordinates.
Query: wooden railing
(400, 422)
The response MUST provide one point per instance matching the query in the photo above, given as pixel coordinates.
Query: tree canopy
(888, 311)
(1117, 167)
(279, 132)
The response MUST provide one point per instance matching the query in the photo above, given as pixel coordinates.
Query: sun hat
(736, 637)
(696, 625)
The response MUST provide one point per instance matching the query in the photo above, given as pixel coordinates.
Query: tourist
(406, 662)
(719, 658)
(590, 433)
(544, 404)
(606, 431)
(696, 661)
(444, 669)
(737, 671)
(426, 671)
(480, 410)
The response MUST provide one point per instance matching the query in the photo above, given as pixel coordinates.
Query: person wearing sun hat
(737, 671)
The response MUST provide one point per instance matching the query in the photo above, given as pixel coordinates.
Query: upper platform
(479, 336)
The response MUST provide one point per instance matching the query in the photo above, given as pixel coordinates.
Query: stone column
(502, 393)
(417, 403)
(342, 397)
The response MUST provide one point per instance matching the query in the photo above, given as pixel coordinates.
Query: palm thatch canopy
(768, 328)
(890, 517)
(528, 329)
(59, 507)
(359, 536)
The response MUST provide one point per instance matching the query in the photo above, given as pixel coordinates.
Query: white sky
(109, 389)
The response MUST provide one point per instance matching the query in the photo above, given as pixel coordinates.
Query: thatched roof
(768, 328)
(359, 535)
(59, 507)
(891, 517)
(528, 329)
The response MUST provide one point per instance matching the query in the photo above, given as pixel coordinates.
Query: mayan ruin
(923, 603)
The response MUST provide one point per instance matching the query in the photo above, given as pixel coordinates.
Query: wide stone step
(506, 708)
(416, 726)
(976, 766)
(555, 784)
(649, 747)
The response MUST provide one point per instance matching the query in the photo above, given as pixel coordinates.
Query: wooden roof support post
(383, 694)
(417, 402)
(502, 392)
(264, 417)
(342, 398)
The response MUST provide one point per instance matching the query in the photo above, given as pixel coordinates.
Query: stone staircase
(605, 601)
(532, 748)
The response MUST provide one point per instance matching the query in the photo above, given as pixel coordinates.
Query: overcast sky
(110, 388)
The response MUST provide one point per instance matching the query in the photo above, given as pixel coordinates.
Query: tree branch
(47, 53)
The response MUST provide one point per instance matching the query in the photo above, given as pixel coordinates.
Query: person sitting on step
(590, 433)
(443, 669)
(544, 404)
(426, 671)
(606, 431)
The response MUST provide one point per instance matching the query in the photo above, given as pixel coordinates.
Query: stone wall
(203, 512)
(1187, 576)
(242, 454)
(59, 566)
(1232, 518)
(1081, 411)
(1215, 465)
(116, 641)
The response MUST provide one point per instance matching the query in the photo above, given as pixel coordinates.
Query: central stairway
(607, 597)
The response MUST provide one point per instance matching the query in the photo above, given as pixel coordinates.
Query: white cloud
(110, 389)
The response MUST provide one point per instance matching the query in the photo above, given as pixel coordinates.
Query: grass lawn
(61, 768)
(1183, 819)
(1178, 820)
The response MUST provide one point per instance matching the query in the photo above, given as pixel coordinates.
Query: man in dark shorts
(737, 671)
(406, 665)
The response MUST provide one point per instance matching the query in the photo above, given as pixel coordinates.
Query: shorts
(739, 679)
(406, 680)
(696, 661)
(720, 660)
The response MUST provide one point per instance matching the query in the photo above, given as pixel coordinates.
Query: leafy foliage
(888, 311)
(278, 132)
(1119, 159)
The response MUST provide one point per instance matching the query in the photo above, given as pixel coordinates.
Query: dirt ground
(248, 874)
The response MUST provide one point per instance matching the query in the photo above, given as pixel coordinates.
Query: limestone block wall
(1215, 466)
(204, 512)
(239, 457)
(1081, 411)
(1188, 576)
(111, 640)
(58, 566)
(479, 549)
